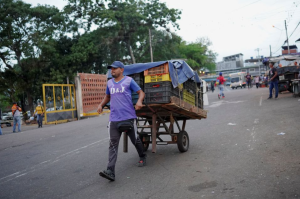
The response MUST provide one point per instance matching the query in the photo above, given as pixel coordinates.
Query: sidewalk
(24, 127)
(28, 127)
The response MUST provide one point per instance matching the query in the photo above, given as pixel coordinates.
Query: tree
(128, 20)
(26, 37)
(198, 55)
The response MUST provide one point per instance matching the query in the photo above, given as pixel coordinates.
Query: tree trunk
(30, 102)
(131, 52)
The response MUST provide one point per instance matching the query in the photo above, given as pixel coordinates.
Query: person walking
(0, 122)
(248, 80)
(220, 83)
(16, 111)
(40, 113)
(212, 86)
(273, 80)
(122, 115)
(256, 79)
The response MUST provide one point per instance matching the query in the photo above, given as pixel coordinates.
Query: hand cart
(160, 119)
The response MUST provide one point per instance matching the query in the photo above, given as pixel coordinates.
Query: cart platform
(161, 119)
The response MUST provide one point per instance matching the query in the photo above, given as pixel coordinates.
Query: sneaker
(223, 96)
(276, 98)
(269, 97)
(108, 174)
(142, 161)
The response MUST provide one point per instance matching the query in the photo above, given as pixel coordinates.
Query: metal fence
(59, 102)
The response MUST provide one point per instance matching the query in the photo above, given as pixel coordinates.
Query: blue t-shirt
(134, 87)
(121, 107)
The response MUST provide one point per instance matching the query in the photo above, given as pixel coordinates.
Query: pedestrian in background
(256, 79)
(40, 113)
(261, 78)
(212, 86)
(248, 80)
(220, 83)
(273, 80)
(16, 111)
(0, 121)
(266, 81)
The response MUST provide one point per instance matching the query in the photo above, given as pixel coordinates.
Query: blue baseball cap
(220, 73)
(116, 64)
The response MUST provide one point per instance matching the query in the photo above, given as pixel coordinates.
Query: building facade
(230, 64)
(235, 63)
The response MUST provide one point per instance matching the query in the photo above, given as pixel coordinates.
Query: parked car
(7, 120)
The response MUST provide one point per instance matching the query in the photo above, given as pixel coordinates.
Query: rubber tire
(183, 141)
(145, 144)
(232, 88)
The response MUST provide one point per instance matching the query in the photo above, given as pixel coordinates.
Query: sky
(249, 27)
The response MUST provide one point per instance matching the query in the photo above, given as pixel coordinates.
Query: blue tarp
(179, 71)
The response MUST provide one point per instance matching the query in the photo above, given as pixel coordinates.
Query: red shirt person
(220, 83)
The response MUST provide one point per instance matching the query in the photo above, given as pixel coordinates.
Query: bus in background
(237, 80)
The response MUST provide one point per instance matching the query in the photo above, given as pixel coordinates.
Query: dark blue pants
(40, 120)
(273, 84)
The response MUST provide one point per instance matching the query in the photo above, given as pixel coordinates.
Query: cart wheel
(183, 141)
(145, 144)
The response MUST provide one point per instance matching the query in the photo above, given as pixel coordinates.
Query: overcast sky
(233, 26)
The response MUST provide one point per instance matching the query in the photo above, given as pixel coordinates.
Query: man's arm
(139, 103)
(104, 101)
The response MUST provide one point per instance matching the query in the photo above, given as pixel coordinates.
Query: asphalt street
(248, 147)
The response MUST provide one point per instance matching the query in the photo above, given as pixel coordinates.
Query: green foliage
(127, 22)
(198, 55)
(27, 37)
(4, 102)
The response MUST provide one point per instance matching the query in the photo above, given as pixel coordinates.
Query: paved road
(235, 153)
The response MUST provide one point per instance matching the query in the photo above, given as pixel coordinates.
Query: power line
(245, 6)
(294, 29)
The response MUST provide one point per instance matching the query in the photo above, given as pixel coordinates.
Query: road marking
(253, 133)
(45, 163)
(227, 89)
(220, 102)
(260, 101)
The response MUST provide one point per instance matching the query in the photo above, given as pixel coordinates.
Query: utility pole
(270, 51)
(257, 49)
(151, 54)
(287, 38)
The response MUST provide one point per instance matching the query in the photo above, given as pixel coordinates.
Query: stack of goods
(158, 86)
(189, 92)
(157, 74)
(199, 96)
(199, 99)
(139, 79)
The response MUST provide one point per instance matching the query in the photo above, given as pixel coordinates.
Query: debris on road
(231, 124)
(282, 133)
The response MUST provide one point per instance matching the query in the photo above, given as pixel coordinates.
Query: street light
(276, 28)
